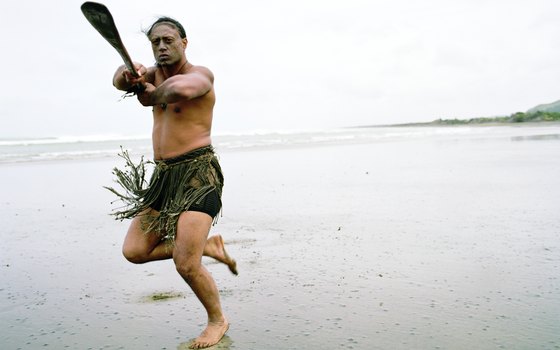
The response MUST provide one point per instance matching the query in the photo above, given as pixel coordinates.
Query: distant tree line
(519, 117)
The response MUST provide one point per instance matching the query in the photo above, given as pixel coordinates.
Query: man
(173, 216)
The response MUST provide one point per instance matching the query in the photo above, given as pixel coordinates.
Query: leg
(140, 247)
(190, 242)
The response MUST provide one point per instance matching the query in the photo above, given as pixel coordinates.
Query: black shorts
(210, 204)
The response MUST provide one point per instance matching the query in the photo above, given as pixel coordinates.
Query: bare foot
(211, 335)
(215, 249)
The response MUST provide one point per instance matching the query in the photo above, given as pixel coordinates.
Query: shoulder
(201, 70)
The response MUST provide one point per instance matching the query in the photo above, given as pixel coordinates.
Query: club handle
(135, 89)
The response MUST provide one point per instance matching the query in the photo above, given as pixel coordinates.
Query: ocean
(18, 150)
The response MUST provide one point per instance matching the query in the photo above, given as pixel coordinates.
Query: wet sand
(423, 243)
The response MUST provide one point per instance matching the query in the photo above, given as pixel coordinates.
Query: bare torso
(182, 126)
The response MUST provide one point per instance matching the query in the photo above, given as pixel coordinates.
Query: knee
(133, 255)
(188, 269)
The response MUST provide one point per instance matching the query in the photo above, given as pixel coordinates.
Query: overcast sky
(282, 65)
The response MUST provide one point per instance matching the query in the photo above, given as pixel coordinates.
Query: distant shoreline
(490, 123)
(538, 117)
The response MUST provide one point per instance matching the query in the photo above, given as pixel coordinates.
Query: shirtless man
(184, 193)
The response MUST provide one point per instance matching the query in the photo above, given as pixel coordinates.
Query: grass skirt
(175, 185)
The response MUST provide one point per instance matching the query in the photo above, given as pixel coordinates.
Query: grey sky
(291, 64)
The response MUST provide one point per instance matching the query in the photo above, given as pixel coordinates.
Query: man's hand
(133, 80)
(125, 80)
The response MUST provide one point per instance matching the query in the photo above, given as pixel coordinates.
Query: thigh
(139, 241)
(192, 231)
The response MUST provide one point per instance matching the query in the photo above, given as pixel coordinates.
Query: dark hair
(167, 20)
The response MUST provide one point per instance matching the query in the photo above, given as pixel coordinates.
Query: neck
(171, 70)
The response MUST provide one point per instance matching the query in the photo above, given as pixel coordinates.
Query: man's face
(167, 45)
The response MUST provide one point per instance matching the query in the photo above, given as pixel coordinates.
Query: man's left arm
(178, 88)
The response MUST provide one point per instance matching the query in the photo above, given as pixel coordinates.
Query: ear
(185, 42)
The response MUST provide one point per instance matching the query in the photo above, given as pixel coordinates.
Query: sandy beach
(444, 241)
